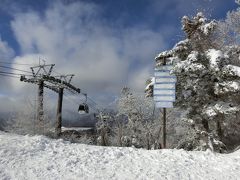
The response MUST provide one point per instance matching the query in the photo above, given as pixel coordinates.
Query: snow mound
(25, 157)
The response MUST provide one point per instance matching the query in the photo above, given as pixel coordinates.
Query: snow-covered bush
(104, 126)
(74, 136)
(141, 126)
(25, 122)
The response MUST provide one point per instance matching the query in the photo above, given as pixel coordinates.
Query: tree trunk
(120, 133)
(219, 127)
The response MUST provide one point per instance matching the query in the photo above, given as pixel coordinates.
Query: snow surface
(37, 157)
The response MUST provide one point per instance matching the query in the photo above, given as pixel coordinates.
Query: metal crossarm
(42, 69)
(35, 81)
(60, 83)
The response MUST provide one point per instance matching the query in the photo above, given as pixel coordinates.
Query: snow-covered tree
(104, 127)
(228, 30)
(208, 83)
(199, 32)
(142, 126)
(149, 87)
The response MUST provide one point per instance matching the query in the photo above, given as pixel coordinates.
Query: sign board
(160, 104)
(164, 87)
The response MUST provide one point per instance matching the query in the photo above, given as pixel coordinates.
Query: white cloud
(18, 86)
(6, 53)
(78, 41)
(141, 43)
(138, 81)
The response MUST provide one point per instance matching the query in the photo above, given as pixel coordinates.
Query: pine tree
(208, 83)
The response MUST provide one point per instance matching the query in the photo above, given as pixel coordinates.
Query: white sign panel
(161, 73)
(165, 79)
(164, 104)
(166, 98)
(164, 92)
(164, 87)
(166, 67)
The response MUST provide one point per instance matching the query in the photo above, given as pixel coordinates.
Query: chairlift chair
(83, 108)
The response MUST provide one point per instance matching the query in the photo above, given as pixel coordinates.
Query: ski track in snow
(37, 157)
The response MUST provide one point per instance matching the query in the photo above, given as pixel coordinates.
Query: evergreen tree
(208, 84)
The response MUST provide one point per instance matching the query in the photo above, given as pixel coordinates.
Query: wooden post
(58, 127)
(164, 119)
(164, 128)
(40, 115)
(219, 127)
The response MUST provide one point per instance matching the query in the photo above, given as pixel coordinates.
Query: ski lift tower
(41, 76)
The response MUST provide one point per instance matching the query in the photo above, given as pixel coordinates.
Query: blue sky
(155, 14)
(108, 44)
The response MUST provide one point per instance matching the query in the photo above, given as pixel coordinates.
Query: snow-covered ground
(25, 157)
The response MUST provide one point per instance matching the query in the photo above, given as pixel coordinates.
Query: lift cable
(18, 74)
(21, 64)
(77, 102)
(69, 96)
(8, 75)
(15, 69)
(4, 72)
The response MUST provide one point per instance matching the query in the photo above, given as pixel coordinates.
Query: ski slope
(37, 157)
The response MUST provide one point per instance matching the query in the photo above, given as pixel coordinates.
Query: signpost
(164, 92)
